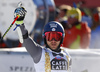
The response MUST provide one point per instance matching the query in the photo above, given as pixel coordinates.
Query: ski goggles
(57, 36)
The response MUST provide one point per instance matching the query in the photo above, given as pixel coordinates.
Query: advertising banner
(18, 60)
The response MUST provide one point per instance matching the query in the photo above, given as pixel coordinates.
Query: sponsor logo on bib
(59, 64)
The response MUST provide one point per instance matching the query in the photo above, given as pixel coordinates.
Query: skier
(77, 33)
(50, 58)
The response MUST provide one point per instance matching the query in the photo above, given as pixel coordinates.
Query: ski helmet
(53, 26)
(75, 12)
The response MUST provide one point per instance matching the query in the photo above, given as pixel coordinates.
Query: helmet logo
(53, 25)
(53, 29)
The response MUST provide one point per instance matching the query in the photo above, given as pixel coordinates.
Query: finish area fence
(18, 60)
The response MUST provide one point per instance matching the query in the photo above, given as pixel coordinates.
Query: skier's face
(53, 39)
(53, 44)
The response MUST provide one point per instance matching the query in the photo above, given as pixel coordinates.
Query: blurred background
(13, 56)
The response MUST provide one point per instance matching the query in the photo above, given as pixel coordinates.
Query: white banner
(85, 60)
(18, 60)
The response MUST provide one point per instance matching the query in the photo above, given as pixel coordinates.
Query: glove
(21, 12)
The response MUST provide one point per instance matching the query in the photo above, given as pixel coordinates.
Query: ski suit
(45, 59)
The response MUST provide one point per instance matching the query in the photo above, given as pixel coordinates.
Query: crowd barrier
(19, 60)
